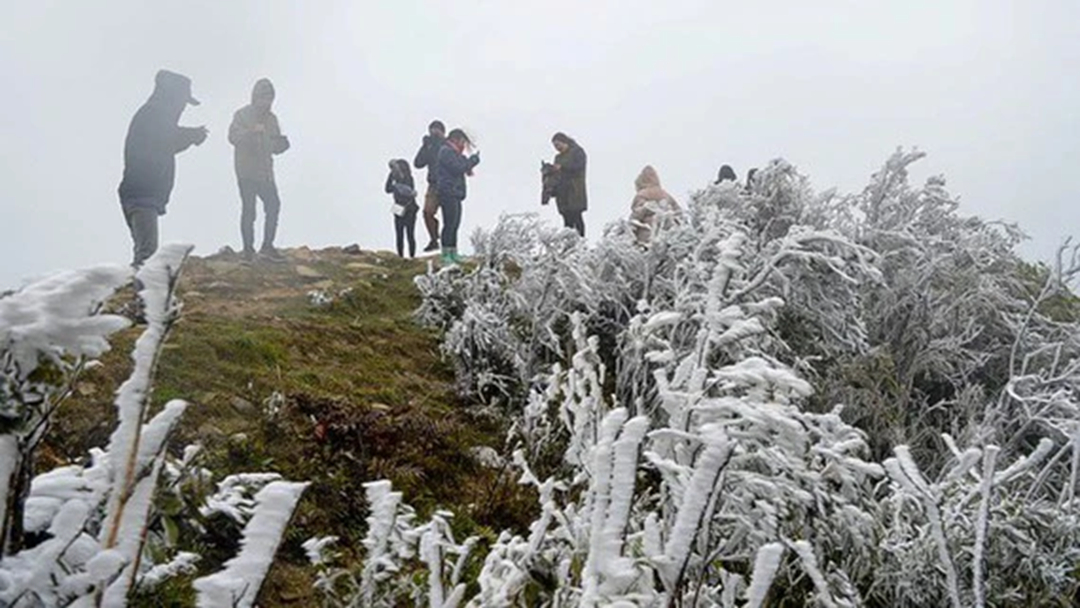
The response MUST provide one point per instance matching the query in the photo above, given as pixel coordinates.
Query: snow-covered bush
(847, 399)
(91, 531)
(402, 559)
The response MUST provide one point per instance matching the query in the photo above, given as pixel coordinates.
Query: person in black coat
(426, 157)
(400, 184)
(571, 196)
(450, 170)
(153, 141)
(726, 174)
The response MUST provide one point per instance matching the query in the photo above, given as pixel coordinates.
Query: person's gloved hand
(475, 158)
(200, 137)
(426, 139)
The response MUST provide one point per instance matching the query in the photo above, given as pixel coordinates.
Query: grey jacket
(254, 149)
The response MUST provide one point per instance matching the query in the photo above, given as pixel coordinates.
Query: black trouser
(575, 220)
(405, 228)
(267, 191)
(451, 215)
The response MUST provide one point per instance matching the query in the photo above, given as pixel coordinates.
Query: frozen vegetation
(87, 535)
(837, 400)
(824, 399)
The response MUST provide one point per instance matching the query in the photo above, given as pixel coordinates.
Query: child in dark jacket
(400, 184)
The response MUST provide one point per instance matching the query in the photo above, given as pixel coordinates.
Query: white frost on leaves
(239, 582)
(236, 495)
(766, 564)
(57, 316)
(90, 522)
(319, 549)
(183, 562)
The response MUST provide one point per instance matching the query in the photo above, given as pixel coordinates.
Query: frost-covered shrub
(84, 535)
(402, 559)
(700, 395)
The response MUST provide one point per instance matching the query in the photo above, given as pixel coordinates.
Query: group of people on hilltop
(443, 155)
(154, 139)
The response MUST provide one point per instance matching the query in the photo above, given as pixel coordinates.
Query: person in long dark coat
(571, 196)
(153, 141)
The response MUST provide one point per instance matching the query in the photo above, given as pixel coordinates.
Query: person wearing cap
(153, 140)
(425, 157)
(571, 198)
(451, 167)
(256, 137)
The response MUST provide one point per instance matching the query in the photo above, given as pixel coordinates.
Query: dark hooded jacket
(253, 150)
(450, 170)
(153, 141)
(570, 193)
(428, 154)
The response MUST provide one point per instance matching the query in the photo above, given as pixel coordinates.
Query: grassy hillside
(363, 395)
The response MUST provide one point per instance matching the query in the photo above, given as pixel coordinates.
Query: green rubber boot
(447, 257)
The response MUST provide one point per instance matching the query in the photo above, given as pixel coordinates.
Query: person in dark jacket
(450, 170)
(571, 197)
(751, 177)
(153, 141)
(400, 184)
(256, 137)
(726, 174)
(425, 157)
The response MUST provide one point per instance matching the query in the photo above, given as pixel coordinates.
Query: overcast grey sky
(989, 88)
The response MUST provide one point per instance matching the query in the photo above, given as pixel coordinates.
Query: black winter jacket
(450, 169)
(153, 141)
(427, 155)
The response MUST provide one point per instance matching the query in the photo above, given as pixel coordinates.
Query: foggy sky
(989, 88)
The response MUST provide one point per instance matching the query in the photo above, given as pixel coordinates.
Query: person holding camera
(153, 140)
(451, 168)
(571, 197)
(256, 137)
(426, 157)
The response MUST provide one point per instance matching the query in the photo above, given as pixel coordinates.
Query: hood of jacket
(263, 87)
(648, 178)
(400, 168)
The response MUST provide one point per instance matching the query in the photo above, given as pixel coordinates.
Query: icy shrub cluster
(834, 400)
(83, 536)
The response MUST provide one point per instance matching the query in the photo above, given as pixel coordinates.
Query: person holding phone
(451, 168)
(256, 138)
(571, 197)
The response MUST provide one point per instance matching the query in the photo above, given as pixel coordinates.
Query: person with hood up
(426, 157)
(726, 174)
(153, 140)
(571, 197)
(651, 205)
(400, 184)
(451, 167)
(256, 137)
